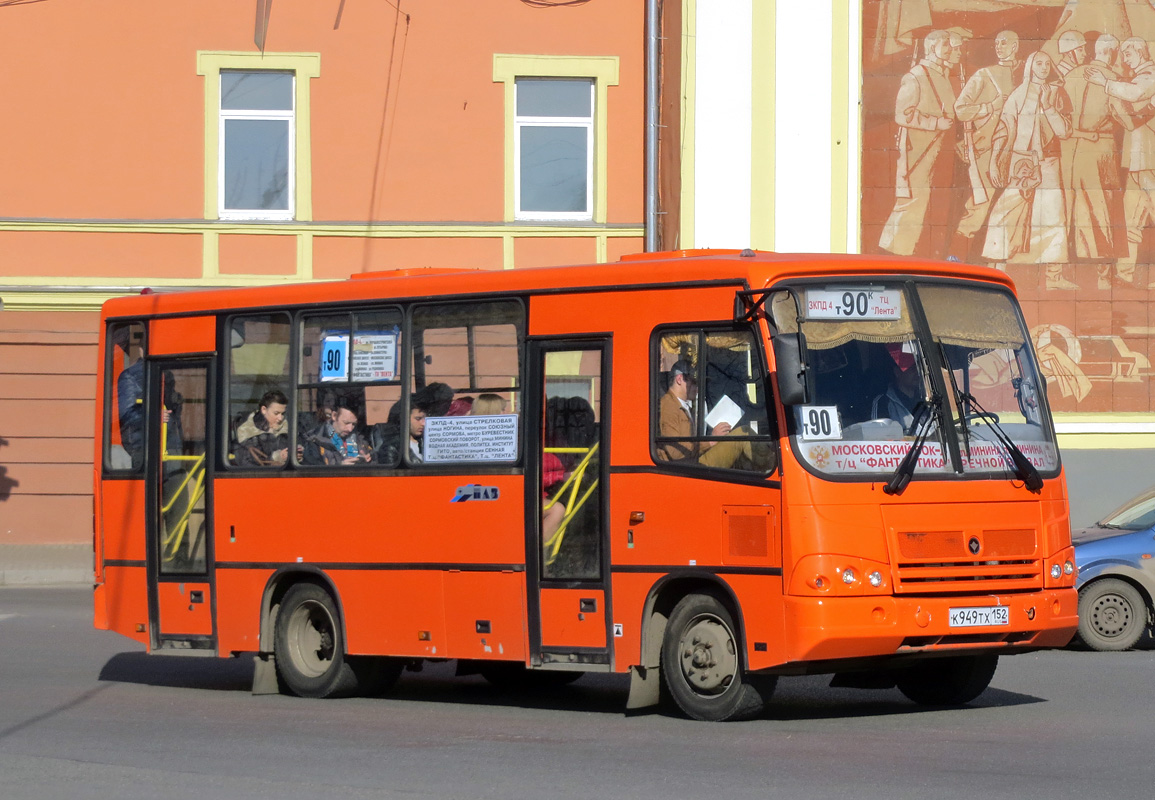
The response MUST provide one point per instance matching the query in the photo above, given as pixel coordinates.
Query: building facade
(160, 146)
(875, 126)
(171, 146)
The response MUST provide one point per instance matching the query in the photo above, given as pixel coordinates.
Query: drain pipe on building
(653, 53)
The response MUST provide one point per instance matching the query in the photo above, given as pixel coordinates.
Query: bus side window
(711, 407)
(258, 402)
(124, 381)
(348, 385)
(466, 362)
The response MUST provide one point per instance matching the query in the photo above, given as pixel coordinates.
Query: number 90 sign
(854, 302)
(819, 422)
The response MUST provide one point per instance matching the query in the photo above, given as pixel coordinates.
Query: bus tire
(1112, 615)
(309, 645)
(952, 681)
(702, 663)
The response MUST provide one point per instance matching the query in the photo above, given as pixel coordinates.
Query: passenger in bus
(460, 407)
(130, 409)
(337, 440)
(263, 437)
(904, 391)
(488, 403)
(387, 437)
(675, 419)
(434, 399)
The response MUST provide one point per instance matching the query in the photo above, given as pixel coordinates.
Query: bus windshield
(891, 361)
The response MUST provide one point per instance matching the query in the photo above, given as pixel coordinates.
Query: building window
(257, 148)
(255, 178)
(556, 135)
(554, 127)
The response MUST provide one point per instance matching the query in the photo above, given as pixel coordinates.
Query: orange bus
(705, 468)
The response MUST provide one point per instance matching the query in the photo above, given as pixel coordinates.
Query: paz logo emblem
(973, 545)
(475, 491)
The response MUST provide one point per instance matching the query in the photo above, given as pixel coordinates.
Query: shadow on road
(181, 672)
(812, 698)
(796, 699)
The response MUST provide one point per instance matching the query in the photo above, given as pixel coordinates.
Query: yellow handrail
(573, 504)
(196, 475)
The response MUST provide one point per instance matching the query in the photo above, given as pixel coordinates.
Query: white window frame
(587, 123)
(603, 71)
(304, 67)
(289, 117)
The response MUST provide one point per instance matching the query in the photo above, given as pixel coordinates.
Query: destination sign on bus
(853, 303)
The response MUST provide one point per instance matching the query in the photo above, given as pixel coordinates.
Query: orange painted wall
(337, 257)
(47, 381)
(408, 123)
(102, 158)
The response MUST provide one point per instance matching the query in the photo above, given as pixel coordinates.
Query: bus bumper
(822, 628)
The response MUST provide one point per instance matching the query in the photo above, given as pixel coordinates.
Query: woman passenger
(263, 438)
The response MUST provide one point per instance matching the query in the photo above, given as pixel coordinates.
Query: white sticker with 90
(819, 422)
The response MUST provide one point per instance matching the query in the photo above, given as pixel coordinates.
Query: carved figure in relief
(1028, 220)
(924, 112)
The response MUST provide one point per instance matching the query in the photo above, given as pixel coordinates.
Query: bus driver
(675, 419)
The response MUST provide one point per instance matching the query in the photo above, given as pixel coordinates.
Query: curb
(45, 564)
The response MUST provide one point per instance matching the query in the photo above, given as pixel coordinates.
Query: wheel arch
(665, 593)
(279, 583)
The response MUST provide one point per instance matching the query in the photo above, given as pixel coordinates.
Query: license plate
(979, 616)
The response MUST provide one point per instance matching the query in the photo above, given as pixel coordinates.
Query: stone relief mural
(1021, 134)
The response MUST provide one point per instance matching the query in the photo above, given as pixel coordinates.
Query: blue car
(1116, 561)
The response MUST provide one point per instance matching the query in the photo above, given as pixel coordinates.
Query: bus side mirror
(792, 370)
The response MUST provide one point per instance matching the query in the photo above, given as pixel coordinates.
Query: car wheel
(1112, 615)
(952, 681)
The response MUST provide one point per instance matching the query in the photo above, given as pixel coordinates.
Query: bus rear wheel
(309, 645)
(702, 663)
(952, 681)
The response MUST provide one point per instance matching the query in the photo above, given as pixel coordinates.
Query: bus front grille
(967, 561)
(972, 576)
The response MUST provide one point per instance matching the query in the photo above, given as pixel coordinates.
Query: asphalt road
(86, 714)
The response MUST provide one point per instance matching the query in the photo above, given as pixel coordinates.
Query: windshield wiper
(1023, 468)
(959, 401)
(924, 415)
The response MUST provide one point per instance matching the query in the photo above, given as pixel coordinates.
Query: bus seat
(118, 457)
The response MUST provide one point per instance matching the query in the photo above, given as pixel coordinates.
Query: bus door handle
(588, 605)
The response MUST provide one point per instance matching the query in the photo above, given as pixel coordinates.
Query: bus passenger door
(179, 453)
(566, 479)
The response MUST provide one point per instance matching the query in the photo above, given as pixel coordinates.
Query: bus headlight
(848, 576)
(1068, 568)
(1056, 571)
(875, 579)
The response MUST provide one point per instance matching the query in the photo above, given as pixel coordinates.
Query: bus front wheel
(952, 681)
(309, 646)
(702, 663)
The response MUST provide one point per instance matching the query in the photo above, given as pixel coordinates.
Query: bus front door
(178, 511)
(566, 545)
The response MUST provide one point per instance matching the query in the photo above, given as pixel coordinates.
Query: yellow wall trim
(764, 119)
(1114, 431)
(604, 71)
